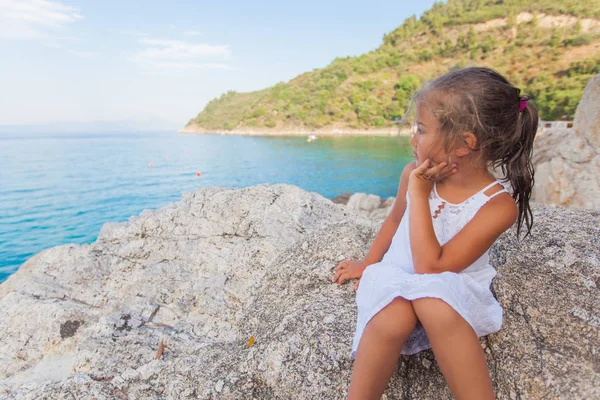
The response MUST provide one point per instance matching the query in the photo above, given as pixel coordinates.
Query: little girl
(426, 279)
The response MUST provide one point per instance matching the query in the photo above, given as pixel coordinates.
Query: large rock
(236, 285)
(587, 115)
(567, 161)
(370, 205)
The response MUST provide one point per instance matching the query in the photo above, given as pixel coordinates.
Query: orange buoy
(151, 165)
(198, 173)
(166, 157)
(186, 153)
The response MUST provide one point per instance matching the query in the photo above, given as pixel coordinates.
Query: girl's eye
(420, 131)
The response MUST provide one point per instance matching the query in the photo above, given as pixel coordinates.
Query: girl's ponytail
(517, 165)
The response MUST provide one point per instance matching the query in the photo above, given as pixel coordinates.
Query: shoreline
(325, 132)
(196, 130)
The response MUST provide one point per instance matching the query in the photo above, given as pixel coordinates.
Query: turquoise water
(61, 188)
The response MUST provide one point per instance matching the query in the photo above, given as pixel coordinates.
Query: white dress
(467, 292)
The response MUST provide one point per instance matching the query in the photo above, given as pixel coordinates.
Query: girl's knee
(395, 321)
(435, 313)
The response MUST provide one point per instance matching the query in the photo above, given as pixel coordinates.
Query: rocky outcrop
(567, 161)
(370, 205)
(227, 294)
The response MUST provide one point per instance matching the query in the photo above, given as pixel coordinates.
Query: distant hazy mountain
(91, 127)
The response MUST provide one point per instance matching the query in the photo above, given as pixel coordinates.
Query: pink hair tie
(523, 104)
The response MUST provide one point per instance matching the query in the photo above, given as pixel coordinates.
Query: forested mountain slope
(549, 49)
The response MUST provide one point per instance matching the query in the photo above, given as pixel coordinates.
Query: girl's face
(426, 142)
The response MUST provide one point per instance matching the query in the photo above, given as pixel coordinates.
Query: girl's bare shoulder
(502, 207)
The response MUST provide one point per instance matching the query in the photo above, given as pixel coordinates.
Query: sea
(60, 188)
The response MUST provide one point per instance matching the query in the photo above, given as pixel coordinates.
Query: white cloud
(192, 32)
(177, 54)
(159, 49)
(34, 19)
(184, 65)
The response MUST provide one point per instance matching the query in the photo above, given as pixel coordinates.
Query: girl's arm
(470, 243)
(384, 237)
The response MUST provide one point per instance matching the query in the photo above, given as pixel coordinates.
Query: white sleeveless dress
(467, 292)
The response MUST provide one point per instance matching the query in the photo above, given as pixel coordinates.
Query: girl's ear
(470, 141)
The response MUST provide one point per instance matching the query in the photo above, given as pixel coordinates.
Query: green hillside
(549, 49)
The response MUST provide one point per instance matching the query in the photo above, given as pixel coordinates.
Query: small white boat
(311, 138)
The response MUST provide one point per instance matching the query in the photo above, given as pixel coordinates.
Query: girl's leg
(456, 349)
(379, 349)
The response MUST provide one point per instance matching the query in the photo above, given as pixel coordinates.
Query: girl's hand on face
(422, 178)
(349, 269)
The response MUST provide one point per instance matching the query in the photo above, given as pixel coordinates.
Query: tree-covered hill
(548, 48)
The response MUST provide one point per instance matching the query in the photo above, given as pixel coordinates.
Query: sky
(160, 62)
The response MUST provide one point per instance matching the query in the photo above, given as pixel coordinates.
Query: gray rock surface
(567, 161)
(165, 306)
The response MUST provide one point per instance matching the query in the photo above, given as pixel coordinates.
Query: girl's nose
(413, 140)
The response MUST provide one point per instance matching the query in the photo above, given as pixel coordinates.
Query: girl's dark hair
(481, 101)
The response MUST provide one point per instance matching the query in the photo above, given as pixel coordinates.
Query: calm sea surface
(61, 188)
